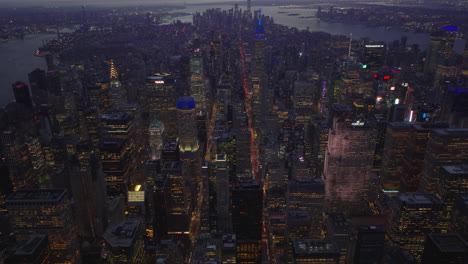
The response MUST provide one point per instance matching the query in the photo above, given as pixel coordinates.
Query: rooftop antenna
(259, 16)
(84, 14)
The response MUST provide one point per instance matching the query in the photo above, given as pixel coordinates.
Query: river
(18, 55)
(17, 61)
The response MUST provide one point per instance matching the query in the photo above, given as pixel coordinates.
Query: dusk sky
(132, 2)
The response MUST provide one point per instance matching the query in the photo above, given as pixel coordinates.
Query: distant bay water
(17, 60)
(304, 18)
(18, 55)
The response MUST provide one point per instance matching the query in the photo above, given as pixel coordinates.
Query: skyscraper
(247, 208)
(124, 242)
(303, 103)
(348, 160)
(308, 196)
(159, 101)
(34, 249)
(117, 93)
(258, 78)
(187, 125)
(444, 147)
(46, 211)
(411, 217)
(309, 251)
(22, 95)
(393, 154)
(177, 204)
(369, 245)
(156, 131)
(374, 56)
(222, 194)
(414, 155)
(197, 81)
(445, 248)
(38, 82)
(451, 181)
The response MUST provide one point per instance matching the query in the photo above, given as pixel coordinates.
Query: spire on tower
(113, 70)
(259, 17)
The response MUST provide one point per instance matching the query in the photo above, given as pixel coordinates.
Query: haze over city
(234, 132)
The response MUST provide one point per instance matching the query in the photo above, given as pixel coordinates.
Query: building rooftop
(428, 126)
(419, 198)
(241, 186)
(461, 204)
(113, 145)
(123, 234)
(372, 228)
(156, 123)
(400, 125)
(186, 103)
(229, 240)
(449, 242)
(451, 132)
(170, 145)
(30, 245)
(37, 196)
(161, 78)
(456, 169)
(341, 108)
(339, 223)
(315, 246)
(298, 216)
(116, 116)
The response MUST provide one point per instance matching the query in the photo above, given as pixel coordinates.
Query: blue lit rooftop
(186, 103)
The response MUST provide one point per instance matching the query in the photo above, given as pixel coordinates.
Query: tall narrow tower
(258, 73)
(117, 93)
(348, 160)
(187, 124)
(197, 81)
(156, 130)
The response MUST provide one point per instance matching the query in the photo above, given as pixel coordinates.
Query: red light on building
(376, 76)
(386, 77)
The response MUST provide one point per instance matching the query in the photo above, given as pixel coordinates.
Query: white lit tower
(117, 93)
(187, 124)
(156, 130)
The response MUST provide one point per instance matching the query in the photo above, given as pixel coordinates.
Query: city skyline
(224, 134)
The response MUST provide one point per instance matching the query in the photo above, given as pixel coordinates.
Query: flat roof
(116, 116)
(456, 169)
(419, 198)
(400, 125)
(448, 242)
(30, 244)
(315, 246)
(341, 107)
(170, 145)
(122, 234)
(37, 195)
(451, 132)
